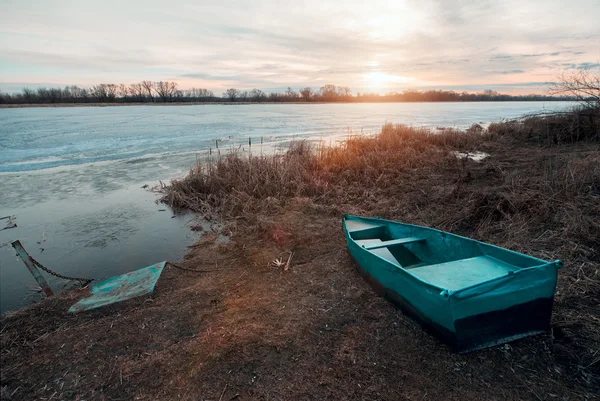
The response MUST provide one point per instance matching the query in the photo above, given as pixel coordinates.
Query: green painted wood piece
(120, 288)
(385, 244)
(470, 294)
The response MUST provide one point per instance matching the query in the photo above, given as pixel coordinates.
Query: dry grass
(237, 184)
(539, 200)
(580, 124)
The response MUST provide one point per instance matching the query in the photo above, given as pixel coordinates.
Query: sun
(376, 79)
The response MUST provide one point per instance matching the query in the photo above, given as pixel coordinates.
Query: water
(73, 176)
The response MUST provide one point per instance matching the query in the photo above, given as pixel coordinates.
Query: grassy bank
(247, 328)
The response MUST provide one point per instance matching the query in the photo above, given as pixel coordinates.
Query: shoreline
(116, 104)
(244, 327)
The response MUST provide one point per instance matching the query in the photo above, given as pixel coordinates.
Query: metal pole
(32, 268)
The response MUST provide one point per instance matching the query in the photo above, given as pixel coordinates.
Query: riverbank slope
(249, 325)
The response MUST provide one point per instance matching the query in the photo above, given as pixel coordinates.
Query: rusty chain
(84, 281)
(188, 268)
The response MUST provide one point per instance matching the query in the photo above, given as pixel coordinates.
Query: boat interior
(444, 260)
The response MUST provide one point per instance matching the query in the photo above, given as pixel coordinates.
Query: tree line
(168, 92)
(144, 91)
(452, 96)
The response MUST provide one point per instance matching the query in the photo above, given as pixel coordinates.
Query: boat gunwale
(446, 293)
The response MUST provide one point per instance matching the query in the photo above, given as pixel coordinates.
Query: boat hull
(496, 312)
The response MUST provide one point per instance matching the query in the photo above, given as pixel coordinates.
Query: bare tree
(99, 92)
(77, 93)
(198, 93)
(306, 93)
(28, 95)
(148, 88)
(67, 96)
(329, 92)
(344, 91)
(55, 95)
(172, 90)
(111, 91)
(583, 85)
(205, 93)
(257, 95)
(291, 94)
(104, 92)
(166, 90)
(137, 92)
(231, 94)
(122, 91)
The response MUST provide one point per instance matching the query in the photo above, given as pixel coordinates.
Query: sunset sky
(512, 46)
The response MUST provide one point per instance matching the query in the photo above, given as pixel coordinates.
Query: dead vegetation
(580, 124)
(236, 184)
(537, 193)
(281, 313)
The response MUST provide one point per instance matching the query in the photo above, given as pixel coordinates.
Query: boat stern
(506, 309)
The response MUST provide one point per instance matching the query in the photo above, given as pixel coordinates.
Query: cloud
(266, 45)
(587, 66)
(210, 77)
(552, 54)
(507, 72)
(580, 66)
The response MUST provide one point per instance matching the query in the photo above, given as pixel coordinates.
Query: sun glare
(376, 79)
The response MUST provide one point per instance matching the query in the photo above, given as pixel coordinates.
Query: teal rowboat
(469, 294)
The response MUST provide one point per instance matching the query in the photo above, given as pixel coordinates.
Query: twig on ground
(223, 392)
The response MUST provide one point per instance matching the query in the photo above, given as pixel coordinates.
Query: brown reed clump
(237, 184)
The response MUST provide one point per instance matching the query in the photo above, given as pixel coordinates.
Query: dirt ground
(245, 329)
